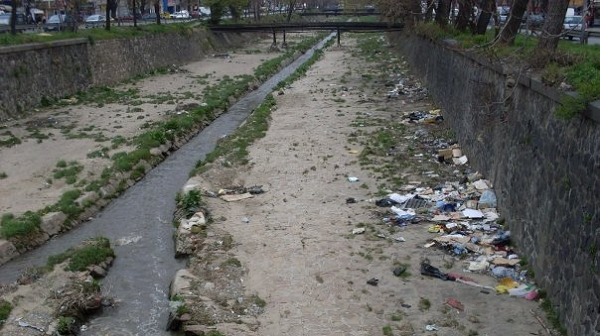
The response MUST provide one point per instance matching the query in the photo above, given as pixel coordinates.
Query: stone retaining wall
(546, 171)
(31, 73)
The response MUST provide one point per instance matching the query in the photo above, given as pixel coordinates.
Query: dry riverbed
(73, 156)
(286, 261)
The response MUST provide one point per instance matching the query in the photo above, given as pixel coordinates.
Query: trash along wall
(546, 171)
(37, 73)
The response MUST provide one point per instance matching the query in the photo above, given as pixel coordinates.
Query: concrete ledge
(42, 45)
(593, 111)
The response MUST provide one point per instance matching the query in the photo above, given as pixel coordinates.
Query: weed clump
(24, 225)
(91, 252)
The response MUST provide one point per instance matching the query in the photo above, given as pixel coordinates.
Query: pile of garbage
(236, 193)
(464, 218)
(412, 90)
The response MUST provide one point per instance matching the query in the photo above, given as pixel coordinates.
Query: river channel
(141, 219)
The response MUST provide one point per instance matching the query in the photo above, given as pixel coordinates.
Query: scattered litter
(431, 327)
(461, 160)
(353, 179)
(472, 213)
(405, 305)
(358, 231)
(454, 303)
(399, 271)
(245, 220)
(350, 200)
(24, 324)
(236, 197)
(373, 282)
(481, 185)
(255, 190)
(488, 197)
(399, 239)
(431, 271)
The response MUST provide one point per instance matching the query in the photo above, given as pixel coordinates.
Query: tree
(111, 6)
(442, 12)
(157, 11)
(13, 17)
(465, 14)
(515, 18)
(551, 30)
(290, 10)
(488, 8)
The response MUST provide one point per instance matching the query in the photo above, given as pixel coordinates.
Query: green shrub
(65, 325)
(91, 252)
(23, 225)
(191, 201)
(5, 309)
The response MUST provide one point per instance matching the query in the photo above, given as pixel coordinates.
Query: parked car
(534, 20)
(149, 17)
(165, 15)
(204, 11)
(184, 14)
(572, 26)
(59, 22)
(95, 21)
(5, 19)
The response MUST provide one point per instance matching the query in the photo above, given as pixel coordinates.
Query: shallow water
(138, 223)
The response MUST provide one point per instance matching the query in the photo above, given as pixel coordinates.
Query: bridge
(307, 26)
(339, 13)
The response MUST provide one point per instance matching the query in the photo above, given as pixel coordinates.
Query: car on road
(5, 19)
(184, 14)
(149, 17)
(59, 22)
(572, 26)
(95, 21)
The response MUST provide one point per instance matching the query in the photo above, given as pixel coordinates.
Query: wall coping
(536, 85)
(42, 45)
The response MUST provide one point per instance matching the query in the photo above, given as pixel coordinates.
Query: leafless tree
(551, 30)
(488, 8)
(442, 12)
(515, 18)
(13, 17)
(465, 14)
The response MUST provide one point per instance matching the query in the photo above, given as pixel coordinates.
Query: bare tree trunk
(290, 10)
(134, 13)
(442, 12)
(429, 10)
(465, 11)
(108, 8)
(515, 18)
(13, 17)
(551, 30)
(487, 9)
(157, 11)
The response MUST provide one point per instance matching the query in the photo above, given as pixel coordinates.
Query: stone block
(7, 251)
(52, 222)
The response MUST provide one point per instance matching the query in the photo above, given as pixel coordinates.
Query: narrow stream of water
(140, 276)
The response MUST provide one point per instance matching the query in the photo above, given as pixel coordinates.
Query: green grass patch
(5, 309)
(91, 252)
(234, 148)
(553, 316)
(24, 225)
(95, 34)
(7, 139)
(3, 175)
(387, 330)
(232, 262)
(190, 202)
